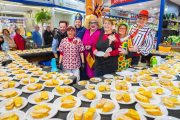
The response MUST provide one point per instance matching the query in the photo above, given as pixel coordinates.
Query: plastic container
(45, 62)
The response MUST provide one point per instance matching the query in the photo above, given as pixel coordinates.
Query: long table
(62, 115)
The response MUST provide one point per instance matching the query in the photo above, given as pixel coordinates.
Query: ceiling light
(132, 10)
(155, 8)
(12, 12)
(140, 4)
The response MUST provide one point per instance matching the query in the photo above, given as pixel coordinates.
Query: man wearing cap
(142, 36)
(80, 30)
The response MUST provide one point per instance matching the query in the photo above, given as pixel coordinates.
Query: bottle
(153, 61)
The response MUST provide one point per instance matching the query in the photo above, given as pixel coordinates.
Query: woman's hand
(134, 48)
(107, 54)
(122, 51)
(94, 52)
(88, 47)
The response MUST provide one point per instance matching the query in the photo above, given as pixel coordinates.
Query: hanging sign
(114, 2)
(120, 13)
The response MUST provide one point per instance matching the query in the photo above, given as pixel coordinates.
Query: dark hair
(62, 22)
(2, 37)
(55, 28)
(17, 29)
(4, 30)
(70, 28)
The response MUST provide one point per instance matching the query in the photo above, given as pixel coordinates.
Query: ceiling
(176, 1)
(152, 6)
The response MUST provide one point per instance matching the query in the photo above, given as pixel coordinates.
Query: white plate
(54, 91)
(141, 85)
(70, 115)
(52, 112)
(58, 78)
(30, 70)
(166, 118)
(68, 83)
(20, 73)
(138, 81)
(32, 101)
(102, 83)
(40, 78)
(153, 79)
(82, 81)
(135, 88)
(100, 53)
(3, 70)
(173, 77)
(104, 92)
(44, 72)
(115, 108)
(108, 76)
(108, 82)
(16, 85)
(25, 90)
(10, 78)
(129, 69)
(15, 77)
(17, 90)
(60, 83)
(166, 92)
(140, 109)
(113, 97)
(57, 103)
(124, 73)
(19, 113)
(176, 107)
(114, 88)
(96, 78)
(83, 98)
(88, 86)
(154, 100)
(3, 109)
(8, 74)
(162, 72)
(36, 81)
(122, 112)
(175, 83)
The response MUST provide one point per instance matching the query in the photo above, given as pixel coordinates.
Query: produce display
(172, 40)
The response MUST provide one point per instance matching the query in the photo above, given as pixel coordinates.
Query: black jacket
(58, 35)
(47, 38)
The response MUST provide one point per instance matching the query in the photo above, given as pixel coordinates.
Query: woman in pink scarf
(93, 24)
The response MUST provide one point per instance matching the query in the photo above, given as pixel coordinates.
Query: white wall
(58, 18)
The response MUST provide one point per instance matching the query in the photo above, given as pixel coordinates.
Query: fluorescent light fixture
(132, 10)
(140, 4)
(64, 11)
(155, 8)
(19, 5)
(12, 12)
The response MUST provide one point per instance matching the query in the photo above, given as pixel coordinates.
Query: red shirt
(116, 43)
(19, 42)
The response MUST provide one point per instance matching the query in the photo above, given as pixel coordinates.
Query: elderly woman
(93, 24)
(71, 49)
(124, 60)
(9, 39)
(19, 40)
(109, 62)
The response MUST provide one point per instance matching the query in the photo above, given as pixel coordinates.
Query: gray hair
(47, 27)
(36, 26)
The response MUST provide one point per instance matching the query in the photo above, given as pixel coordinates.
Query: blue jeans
(101, 73)
(55, 45)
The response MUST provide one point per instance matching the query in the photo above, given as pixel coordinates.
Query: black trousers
(135, 60)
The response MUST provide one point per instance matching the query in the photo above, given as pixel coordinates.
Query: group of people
(79, 46)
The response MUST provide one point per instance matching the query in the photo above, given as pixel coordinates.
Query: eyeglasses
(70, 31)
(142, 18)
(122, 28)
(92, 23)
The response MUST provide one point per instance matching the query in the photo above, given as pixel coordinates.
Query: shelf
(170, 29)
(171, 20)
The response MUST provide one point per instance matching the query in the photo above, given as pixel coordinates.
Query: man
(80, 30)
(37, 37)
(58, 36)
(142, 36)
(48, 36)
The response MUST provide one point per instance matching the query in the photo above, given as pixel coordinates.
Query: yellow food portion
(83, 83)
(9, 116)
(119, 96)
(133, 114)
(8, 94)
(89, 114)
(141, 89)
(44, 95)
(101, 103)
(126, 97)
(108, 106)
(18, 102)
(68, 103)
(91, 95)
(78, 114)
(147, 94)
(68, 97)
(141, 98)
(42, 106)
(167, 102)
(67, 81)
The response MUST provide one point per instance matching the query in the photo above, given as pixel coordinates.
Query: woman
(3, 44)
(19, 40)
(93, 24)
(124, 61)
(108, 63)
(9, 39)
(71, 49)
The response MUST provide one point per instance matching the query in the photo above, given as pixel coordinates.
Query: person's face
(71, 33)
(37, 28)
(55, 30)
(141, 21)
(93, 25)
(48, 29)
(18, 32)
(78, 23)
(63, 27)
(107, 26)
(6, 33)
(122, 30)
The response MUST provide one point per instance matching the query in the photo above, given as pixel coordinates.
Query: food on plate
(128, 78)
(108, 106)
(52, 82)
(11, 66)
(174, 90)
(48, 76)
(134, 79)
(43, 96)
(121, 85)
(152, 109)
(171, 72)
(62, 78)
(90, 95)
(141, 98)
(19, 72)
(8, 94)
(83, 83)
(68, 101)
(89, 114)
(40, 111)
(131, 115)
(4, 79)
(78, 114)
(67, 81)
(9, 116)
(146, 72)
(170, 102)
(147, 94)
(15, 69)
(67, 74)
(52, 72)
(34, 87)
(119, 96)
(141, 89)
(57, 75)
(101, 103)
(165, 82)
(34, 69)
(10, 84)
(38, 72)
(103, 88)
(146, 78)
(95, 79)
(126, 97)
(153, 84)
(157, 91)
(91, 86)
(147, 84)
(15, 102)
(117, 77)
(28, 81)
(22, 76)
(3, 74)
(108, 80)
(63, 90)
(166, 77)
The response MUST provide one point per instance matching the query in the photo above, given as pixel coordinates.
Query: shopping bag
(90, 60)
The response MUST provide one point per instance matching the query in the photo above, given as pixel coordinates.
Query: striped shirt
(147, 46)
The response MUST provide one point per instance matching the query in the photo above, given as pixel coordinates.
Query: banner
(119, 13)
(42, 1)
(114, 2)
